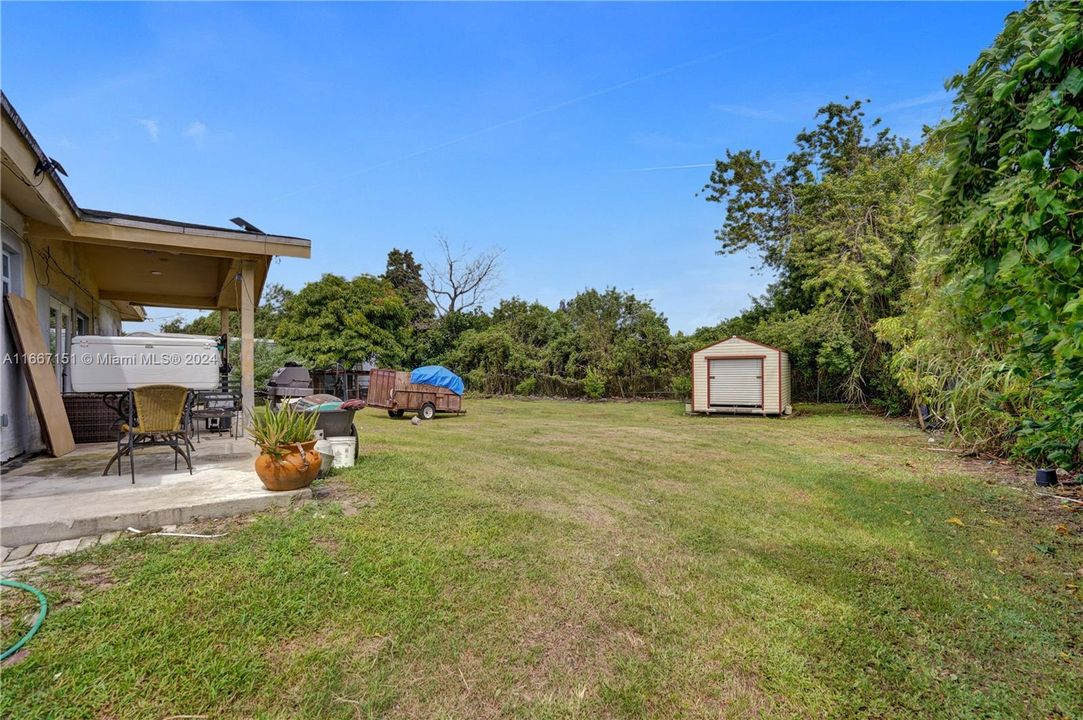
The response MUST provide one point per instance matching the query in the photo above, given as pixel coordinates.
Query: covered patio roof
(138, 260)
(134, 260)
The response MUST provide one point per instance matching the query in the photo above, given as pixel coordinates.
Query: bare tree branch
(458, 282)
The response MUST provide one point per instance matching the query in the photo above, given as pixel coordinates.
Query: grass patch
(559, 559)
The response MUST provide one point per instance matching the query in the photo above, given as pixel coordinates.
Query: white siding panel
(786, 393)
(770, 381)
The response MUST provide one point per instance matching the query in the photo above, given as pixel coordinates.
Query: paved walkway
(12, 560)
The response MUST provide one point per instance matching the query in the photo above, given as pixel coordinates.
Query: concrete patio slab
(48, 500)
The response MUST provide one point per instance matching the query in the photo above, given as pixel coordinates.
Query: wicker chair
(156, 417)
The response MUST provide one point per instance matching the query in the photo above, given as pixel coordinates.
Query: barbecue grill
(288, 382)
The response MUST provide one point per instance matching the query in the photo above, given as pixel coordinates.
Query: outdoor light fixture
(46, 164)
(246, 226)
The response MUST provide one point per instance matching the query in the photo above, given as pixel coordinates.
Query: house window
(82, 324)
(12, 275)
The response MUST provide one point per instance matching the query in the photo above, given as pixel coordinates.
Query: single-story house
(85, 271)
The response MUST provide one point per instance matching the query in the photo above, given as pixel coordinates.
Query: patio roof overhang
(138, 260)
(138, 268)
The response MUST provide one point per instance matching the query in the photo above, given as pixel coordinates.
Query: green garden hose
(37, 623)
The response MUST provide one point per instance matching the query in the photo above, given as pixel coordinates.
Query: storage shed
(741, 376)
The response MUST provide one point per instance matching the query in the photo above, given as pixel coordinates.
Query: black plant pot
(1045, 477)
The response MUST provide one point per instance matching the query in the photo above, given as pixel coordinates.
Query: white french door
(60, 329)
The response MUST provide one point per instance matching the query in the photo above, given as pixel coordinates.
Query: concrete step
(176, 500)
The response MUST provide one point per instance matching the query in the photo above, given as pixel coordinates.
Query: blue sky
(548, 130)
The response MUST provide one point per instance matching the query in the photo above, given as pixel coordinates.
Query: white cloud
(196, 130)
(151, 126)
(750, 113)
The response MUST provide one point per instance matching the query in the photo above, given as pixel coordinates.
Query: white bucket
(344, 449)
(327, 455)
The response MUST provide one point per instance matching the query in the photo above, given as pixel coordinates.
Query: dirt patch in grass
(1046, 510)
(95, 577)
(739, 695)
(341, 493)
(326, 637)
(83, 582)
(331, 545)
(590, 515)
(226, 525)
(571, 643)
(989, 469)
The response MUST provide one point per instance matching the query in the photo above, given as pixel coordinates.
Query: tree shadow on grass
(889, 633)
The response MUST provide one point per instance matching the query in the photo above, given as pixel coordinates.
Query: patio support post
(223, 329)
(248, 314)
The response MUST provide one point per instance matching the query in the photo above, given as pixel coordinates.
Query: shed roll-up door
(736, 382)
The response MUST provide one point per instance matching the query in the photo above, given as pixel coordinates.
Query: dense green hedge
(993, 339)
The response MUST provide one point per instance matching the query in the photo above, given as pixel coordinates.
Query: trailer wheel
(428, 411)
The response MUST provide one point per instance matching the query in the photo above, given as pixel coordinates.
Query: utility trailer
(393, 391)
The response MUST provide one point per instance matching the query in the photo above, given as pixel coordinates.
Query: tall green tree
(335, 320)
(765, 202)
(267, 316)
(438, 342)
(994, 336)
(404, 274)
(836, 223)
(622, 339)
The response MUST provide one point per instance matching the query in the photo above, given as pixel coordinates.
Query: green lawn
(560, 559)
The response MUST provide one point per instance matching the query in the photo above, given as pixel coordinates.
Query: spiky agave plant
(277, 432)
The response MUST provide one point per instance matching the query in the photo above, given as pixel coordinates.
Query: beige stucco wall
(51, 268)
(738, 347)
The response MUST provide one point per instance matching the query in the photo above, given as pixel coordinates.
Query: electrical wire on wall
(18, 174)
(47, 256)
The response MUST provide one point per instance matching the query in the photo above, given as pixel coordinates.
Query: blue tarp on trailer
(439, 376)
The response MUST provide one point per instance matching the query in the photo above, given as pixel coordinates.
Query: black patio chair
(216, 405)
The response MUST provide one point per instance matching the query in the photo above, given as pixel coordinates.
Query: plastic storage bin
(114, 364)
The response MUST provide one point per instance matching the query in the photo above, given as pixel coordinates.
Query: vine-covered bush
(994, 337)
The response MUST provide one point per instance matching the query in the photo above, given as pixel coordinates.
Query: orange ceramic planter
(295, 470)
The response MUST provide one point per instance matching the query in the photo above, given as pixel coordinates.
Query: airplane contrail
(669, 167)
(541, 111)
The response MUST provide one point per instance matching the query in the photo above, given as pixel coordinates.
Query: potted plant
(286, 439)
